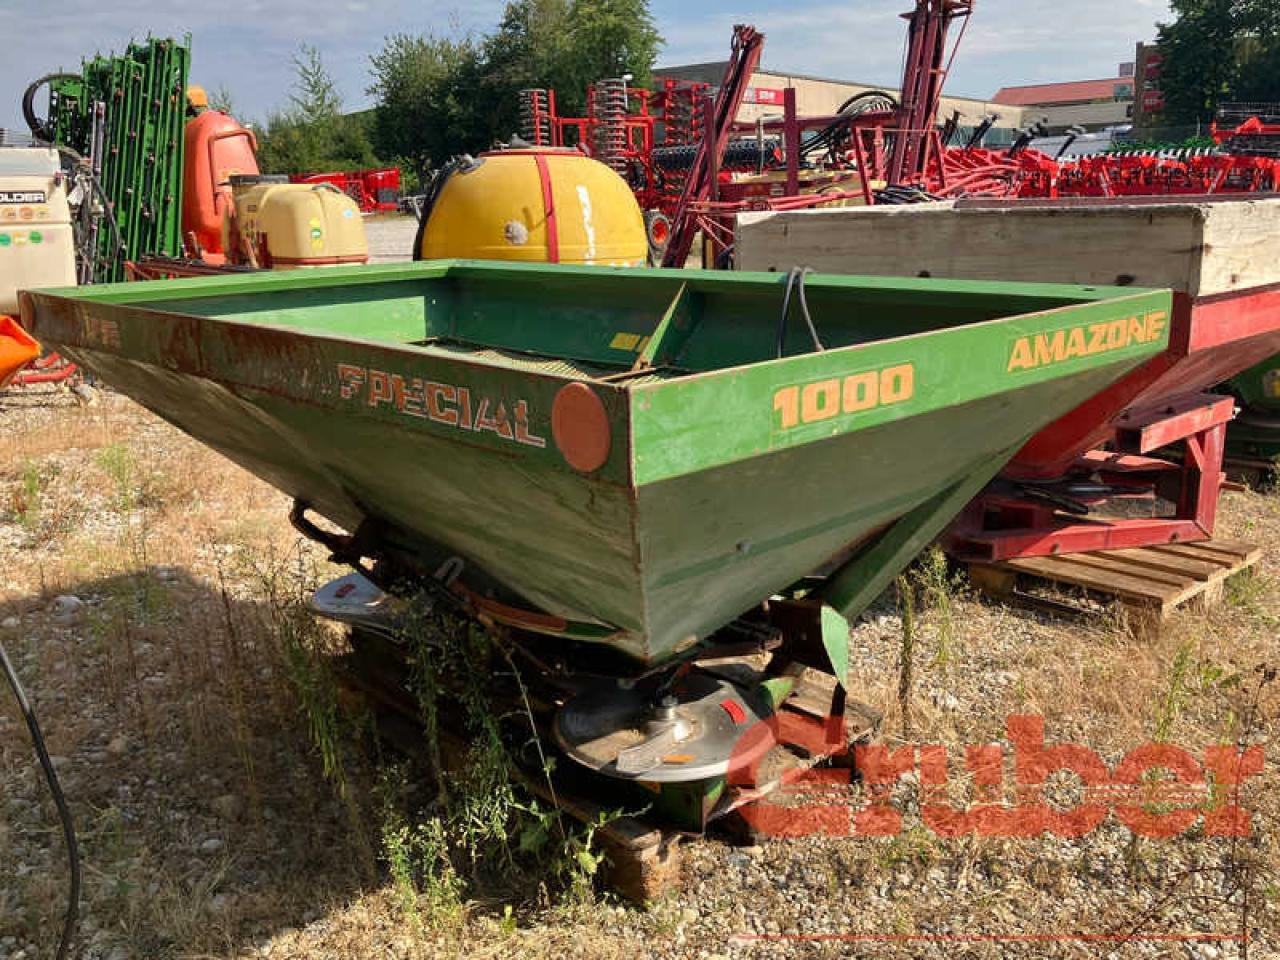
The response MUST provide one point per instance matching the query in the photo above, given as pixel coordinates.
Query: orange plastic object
(17, 348)
(217, 148)
(580, 426)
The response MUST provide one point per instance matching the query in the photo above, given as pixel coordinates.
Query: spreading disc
(354, 600)
(705, 727)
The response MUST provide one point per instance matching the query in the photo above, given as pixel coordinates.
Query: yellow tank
(540, 205)
(281, 225)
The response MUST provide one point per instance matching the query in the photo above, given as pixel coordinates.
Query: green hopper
(629, 458)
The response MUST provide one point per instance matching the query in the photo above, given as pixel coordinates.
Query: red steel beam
(1003, 526)
(1144, 431)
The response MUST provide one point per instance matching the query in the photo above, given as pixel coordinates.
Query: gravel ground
(143, 577)
(390, 237)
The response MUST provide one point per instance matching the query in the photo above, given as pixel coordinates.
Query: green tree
(221, 100)
(314, 97)
(528, 49)
(427, 107)
(609, 38)
(438, 97)
(312, 134)
(1218, 50)
(1259, 54)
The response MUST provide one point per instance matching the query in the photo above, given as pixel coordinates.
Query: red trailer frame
(1159, 404)
(366, 187)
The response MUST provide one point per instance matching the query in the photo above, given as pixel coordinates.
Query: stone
(118, 744)
(228, 806)
(65, 609)
(212, 845)
(10, 623)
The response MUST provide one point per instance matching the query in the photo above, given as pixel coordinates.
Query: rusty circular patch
(580, 426)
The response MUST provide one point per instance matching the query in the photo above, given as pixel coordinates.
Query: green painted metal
(1255, 432)
(709, 500)
(143, 95)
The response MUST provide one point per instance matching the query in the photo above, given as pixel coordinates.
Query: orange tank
(217, 147)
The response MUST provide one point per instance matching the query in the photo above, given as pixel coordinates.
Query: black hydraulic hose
(72, 919)
(826, 136)
(108, 210)
(795, 281)
(40, 129)
(434, 190)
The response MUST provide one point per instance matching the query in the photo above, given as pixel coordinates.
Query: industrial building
(1091, 104)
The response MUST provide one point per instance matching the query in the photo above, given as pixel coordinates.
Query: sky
(246, 46)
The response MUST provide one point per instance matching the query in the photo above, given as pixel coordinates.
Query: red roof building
(1061, 94)
(1091, 104)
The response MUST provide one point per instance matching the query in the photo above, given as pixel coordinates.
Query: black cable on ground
(64, 813)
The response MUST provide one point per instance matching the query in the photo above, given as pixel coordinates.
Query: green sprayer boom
(125, 115)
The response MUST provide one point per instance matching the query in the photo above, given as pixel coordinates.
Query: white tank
(36, 244)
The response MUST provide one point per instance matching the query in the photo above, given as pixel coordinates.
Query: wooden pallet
(1151, 582)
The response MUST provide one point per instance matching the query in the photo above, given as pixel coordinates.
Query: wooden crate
(1199, 246)
(1151, 582)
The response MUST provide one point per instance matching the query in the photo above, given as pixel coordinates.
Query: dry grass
(209, 828)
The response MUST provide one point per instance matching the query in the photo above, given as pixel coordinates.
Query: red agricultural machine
(694, 166)
(1030, 173)
(1246, 160)
(1248, 128)
(874, 149)
(374, 191)
(622, 129)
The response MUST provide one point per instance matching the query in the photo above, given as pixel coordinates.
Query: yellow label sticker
(1043, 349)
(855, 393)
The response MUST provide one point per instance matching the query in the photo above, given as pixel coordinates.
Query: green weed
(913, 847)
(906, 650)
(477, 832)
(1170, 706)
(937, 588)
(27, 497)
(1246, 591)
(117, 461)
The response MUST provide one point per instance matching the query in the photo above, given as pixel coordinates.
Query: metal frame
(999, 525)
